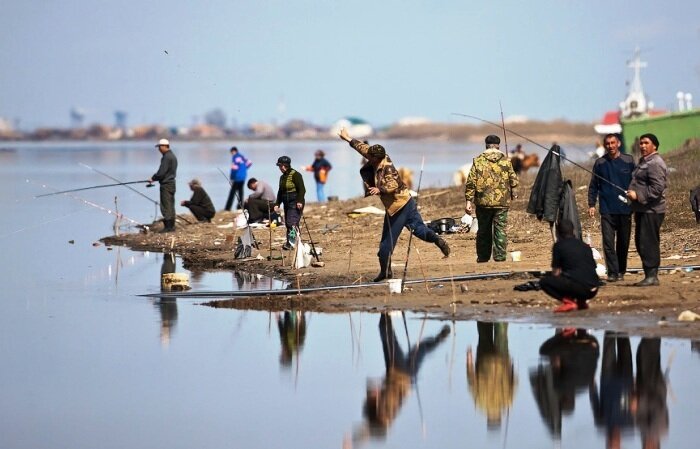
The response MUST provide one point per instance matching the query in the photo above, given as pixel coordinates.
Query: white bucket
(394, 285)
(516, 255)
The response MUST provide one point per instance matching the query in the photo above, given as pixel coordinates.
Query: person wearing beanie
(165, 176)
(381, 178)
(489, 187)
(291, 193)
(648, 194)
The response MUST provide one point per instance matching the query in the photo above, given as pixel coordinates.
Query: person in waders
(381, 178)
(291, 193)
(166, 177)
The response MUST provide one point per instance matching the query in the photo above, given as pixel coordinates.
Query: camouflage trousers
(491, 236)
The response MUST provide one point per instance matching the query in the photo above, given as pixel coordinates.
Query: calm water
(88, 364)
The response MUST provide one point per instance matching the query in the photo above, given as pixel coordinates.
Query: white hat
(165, 142)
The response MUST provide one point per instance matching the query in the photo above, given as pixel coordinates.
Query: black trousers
(200, 213)
(237, 193)
(258, 209)
(647, 238)
(167, 201)
(560, 287)
(616, 230)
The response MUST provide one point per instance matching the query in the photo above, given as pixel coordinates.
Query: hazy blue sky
(380, 60)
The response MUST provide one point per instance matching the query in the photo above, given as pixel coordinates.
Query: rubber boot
(384, 271)
(650, 278)
(168, 226)
(444, 247)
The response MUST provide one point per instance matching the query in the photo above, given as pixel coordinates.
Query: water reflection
(492, 380)
(652, 409)
(292, 328)
(569, 366)
(167, 306)
(612, 406)
(384, 399)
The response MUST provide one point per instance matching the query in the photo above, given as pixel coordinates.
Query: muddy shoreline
(349, 246)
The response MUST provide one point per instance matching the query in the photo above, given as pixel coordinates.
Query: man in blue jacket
(239, 172)
(615, 216)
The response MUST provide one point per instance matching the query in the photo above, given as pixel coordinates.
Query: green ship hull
(672, 129)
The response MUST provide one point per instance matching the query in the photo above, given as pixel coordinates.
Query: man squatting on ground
(615, 216)
(259, 203)
(166, 177)
(200, 204)
(648, 194)
(490, 187)
(401, 209)
(573, 280)
(291, 192)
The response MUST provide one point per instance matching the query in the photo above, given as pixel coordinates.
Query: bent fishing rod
(97, 187)
(542, 146)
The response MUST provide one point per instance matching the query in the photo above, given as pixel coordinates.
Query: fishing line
(157, 204)
(548, 149)
(38, 225)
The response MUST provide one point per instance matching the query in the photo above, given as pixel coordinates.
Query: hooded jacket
(491, 180)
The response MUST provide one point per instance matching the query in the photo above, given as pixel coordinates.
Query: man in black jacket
(166, 177)
(573, 280)
(200, 204)
(615, 216)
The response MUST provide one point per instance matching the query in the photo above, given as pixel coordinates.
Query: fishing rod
(503, 124)
(95, 205)
(97, 187)
(548, 149)
(125, 185)
(311, 240)
(240, 202)
(410, 236)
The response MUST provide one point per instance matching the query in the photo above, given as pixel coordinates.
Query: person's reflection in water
(167, 306)
(384, 400)
(292, 328)
(652, 410)
(491, 379)
(571, 358)
(614, 405)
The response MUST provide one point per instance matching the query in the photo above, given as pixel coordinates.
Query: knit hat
(493, 140)
(651, 137)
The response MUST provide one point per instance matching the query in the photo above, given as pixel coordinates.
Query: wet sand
(350, 245)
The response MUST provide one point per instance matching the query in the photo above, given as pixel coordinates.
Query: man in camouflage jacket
(490, 187)
(380, 177)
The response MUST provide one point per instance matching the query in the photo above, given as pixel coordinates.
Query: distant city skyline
(165, 62)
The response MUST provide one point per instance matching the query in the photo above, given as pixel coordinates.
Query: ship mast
(636, 102)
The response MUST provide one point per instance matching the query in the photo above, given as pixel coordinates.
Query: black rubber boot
(650, 278)
(384, 271)
(168, 226)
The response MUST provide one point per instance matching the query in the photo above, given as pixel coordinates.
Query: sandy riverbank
(350, 245)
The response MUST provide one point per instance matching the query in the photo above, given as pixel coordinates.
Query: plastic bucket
(394, 285)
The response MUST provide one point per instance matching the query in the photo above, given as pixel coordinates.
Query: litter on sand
(366, 210)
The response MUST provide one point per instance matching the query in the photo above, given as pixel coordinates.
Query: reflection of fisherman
(613, 406)
(381, 178)
(491, 379)
(571, 361)
(292, 328)
(384, 401)
(652, 410)
(167, 306)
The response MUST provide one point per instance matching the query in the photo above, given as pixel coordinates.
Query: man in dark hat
(291, 192)
(648, 194)
(489, 186)
(166, 177)
(383, 179)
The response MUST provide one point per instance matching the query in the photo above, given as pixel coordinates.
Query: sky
(170, 62)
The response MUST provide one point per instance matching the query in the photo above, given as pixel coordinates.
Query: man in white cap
(166, 177)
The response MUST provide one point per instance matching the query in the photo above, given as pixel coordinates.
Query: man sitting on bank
(573, 280)
(200, 204)
(261, 202)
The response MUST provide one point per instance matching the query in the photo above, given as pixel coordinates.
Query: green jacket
(290, 182)
(491, 180)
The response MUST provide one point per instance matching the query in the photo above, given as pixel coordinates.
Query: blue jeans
(408, 217)
(320, 194)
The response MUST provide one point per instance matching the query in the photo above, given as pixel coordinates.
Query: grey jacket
(650, 182)
(263, 191)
